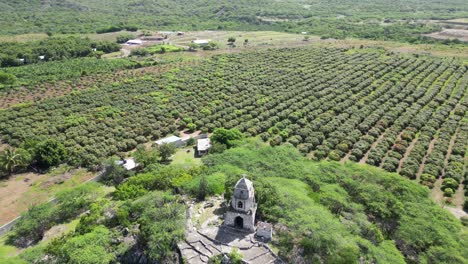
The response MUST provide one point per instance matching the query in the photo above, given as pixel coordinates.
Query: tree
(231, 40)
(210, 46)
(146, 157)
(7, 79)
(50, 153)
(202, 189)
(226, 136)
(193, 47)
(166, 150)
(89, 248)
(191, 127)
(12, 159)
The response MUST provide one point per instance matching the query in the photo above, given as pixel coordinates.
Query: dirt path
(449, 152)
(437, 193)
(407, 153)
(366, 156)
(429, 150)
(346, 157)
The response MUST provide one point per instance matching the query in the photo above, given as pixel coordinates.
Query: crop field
(401, 113)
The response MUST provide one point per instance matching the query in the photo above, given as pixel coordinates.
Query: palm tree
(10, 159)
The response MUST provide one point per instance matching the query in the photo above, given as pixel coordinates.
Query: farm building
(134, 42)
(201, 42)
(170, 140)
(128, 164)
(203, 146)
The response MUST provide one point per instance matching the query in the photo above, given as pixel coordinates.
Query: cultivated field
(400, 113)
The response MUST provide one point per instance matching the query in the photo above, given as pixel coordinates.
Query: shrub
(50, 153)
(7, 79)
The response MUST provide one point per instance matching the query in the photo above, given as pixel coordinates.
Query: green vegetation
(63, 70)
(378, 19)
(340, 213)
(12, 160)
(70, 203)
(234, 257)
(364, 105)
(156, 49)
(328, 212)
(51, 49)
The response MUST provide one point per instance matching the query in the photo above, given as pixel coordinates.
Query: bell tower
(242, 208)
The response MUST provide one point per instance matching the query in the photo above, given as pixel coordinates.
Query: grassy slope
(352, 201)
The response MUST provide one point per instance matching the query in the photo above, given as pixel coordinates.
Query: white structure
(134, 42)
(201, 42)
(128, 164)
(203, 146)
(242, 209)
(170, 140)
(42, 57)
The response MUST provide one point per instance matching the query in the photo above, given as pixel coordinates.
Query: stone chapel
(242, 208)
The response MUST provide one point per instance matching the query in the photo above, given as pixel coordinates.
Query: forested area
(378, 19)
(326, 211)
(51, 49)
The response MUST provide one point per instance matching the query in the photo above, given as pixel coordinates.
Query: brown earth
(24, 190)
(429, 150)
(461, 34)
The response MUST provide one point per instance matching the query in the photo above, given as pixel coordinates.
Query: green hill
(339, 213)
(337, 18)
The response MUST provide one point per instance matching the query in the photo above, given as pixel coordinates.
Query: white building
(170, 140)
(128, 164)
(203, 146)
(201, 42)
(134, 42)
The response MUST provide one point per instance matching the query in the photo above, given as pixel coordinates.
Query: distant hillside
(337, 17)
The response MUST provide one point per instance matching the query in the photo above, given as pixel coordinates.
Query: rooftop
(201, 41)
(243, 189)
(128, 164)
(168, 140)
(203, 144)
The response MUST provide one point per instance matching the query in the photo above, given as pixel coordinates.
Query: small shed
(128, 164)
(134, 42)
(203, 146)
(201, 42)
(170, 140)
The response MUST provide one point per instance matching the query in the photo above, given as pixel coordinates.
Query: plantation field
(62, 70)
(401, 113)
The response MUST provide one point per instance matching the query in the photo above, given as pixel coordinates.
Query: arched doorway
(239, 222)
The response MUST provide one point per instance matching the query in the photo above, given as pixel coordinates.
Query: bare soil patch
(407, 153)
(423, 162)
(461, 34)
(24, 190)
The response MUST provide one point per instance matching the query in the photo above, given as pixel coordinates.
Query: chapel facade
(242, 208)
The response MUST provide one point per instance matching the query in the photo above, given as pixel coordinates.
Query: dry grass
(21, 191)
